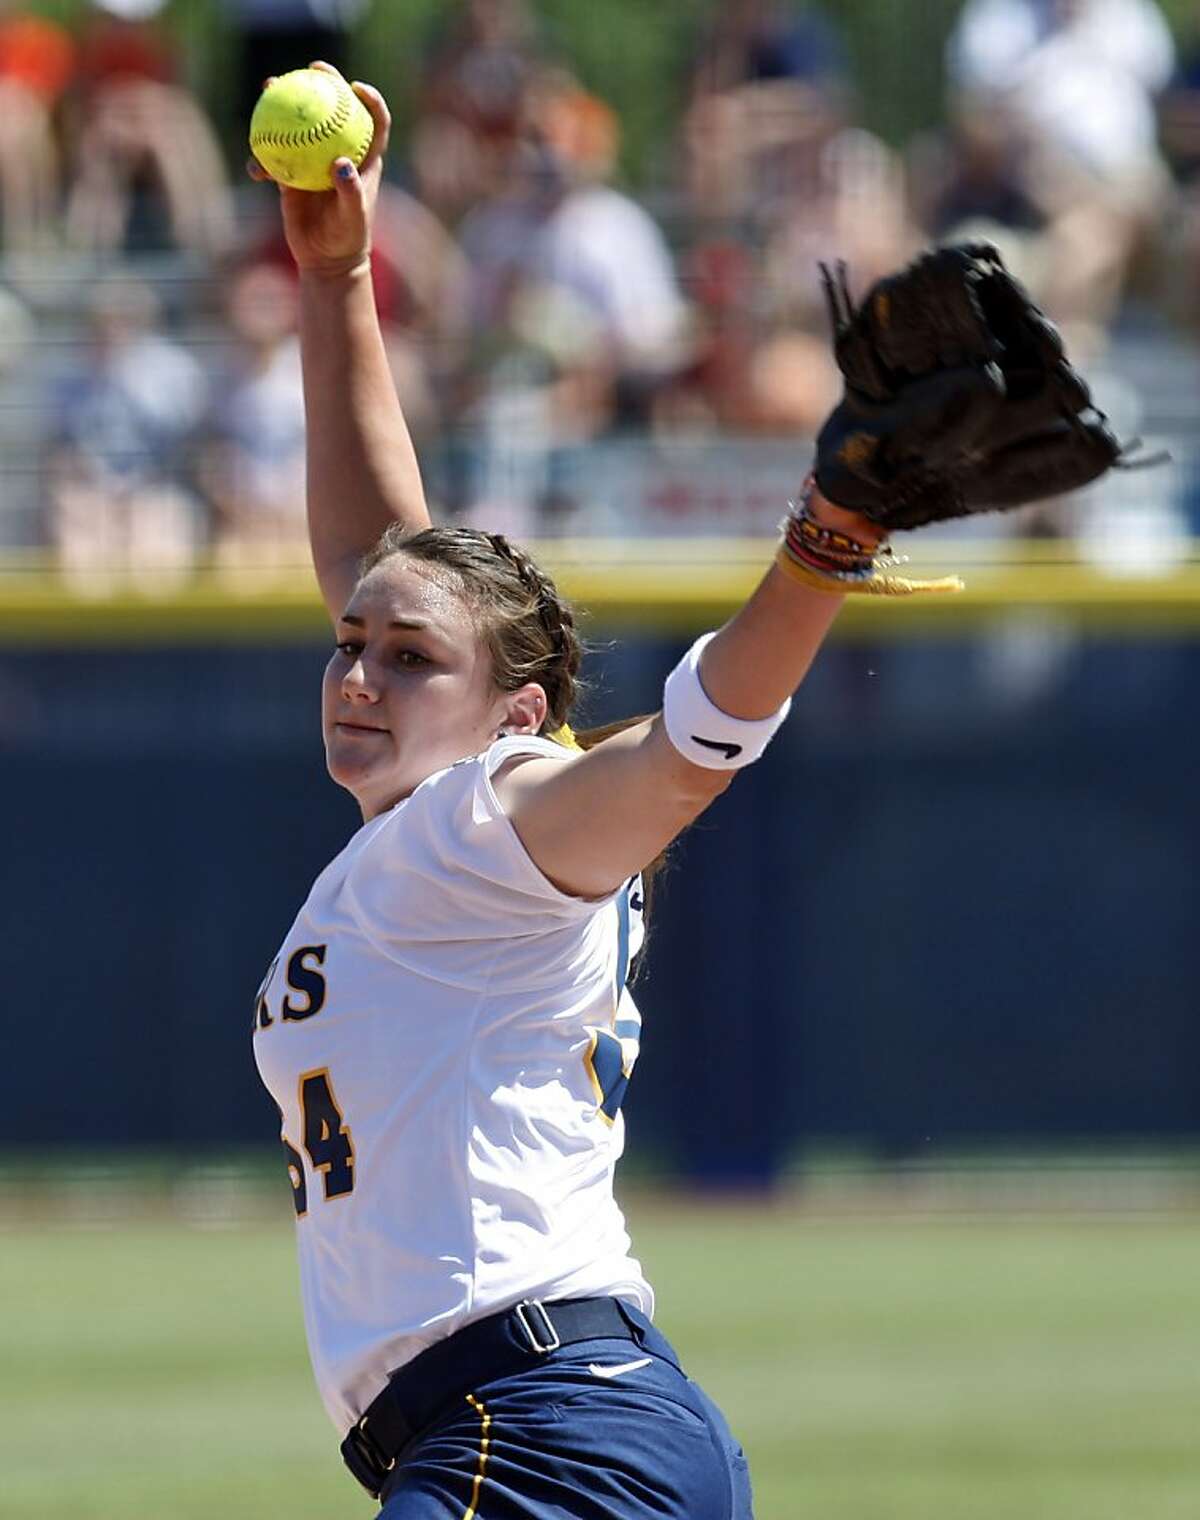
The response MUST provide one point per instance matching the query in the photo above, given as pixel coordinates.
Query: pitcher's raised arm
(362, 469)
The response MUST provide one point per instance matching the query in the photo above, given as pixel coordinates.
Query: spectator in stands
(573, 290)
(763, 357)
(122, 421)
(144, 167)
(1067, 89)
(472, 103)
(768, 80)
(754, 40)
(967, 181)
(780, 176)
(850, 203)
(252, 463)
(37, 64)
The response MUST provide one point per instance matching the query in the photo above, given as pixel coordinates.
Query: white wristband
(700, 731)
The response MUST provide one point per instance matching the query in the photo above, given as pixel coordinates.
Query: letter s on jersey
(305, 982)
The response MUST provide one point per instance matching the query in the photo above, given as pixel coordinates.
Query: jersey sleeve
(447, 864)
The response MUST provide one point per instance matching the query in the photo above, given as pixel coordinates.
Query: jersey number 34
(325, 1138)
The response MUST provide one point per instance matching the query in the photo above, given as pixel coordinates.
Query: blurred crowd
(526, 293)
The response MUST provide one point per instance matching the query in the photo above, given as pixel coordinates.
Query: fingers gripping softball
(304, 122)
(323, 141)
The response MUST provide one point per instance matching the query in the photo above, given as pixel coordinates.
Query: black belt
(490, 1348)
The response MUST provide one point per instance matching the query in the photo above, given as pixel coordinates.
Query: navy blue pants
(601, 1430)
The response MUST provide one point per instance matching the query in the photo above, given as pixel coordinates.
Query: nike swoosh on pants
(618, 1369)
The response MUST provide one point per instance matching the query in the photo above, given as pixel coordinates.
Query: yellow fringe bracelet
(879, 583)
(829, 560)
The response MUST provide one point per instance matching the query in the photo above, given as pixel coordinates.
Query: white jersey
(448, 1037)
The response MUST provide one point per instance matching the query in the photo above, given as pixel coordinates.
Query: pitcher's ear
(526, 709)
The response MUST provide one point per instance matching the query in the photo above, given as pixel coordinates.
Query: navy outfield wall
(955, 903)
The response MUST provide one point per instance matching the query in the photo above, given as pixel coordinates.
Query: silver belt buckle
(528, 1310)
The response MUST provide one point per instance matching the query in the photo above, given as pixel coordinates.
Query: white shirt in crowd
(1082, 76)
(600, 254)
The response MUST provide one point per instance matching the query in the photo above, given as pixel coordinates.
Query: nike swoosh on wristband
(730, 751)
(612, 1372)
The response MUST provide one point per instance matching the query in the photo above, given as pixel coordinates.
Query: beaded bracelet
(834, 562)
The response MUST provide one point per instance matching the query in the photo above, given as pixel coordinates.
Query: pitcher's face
(409, 689)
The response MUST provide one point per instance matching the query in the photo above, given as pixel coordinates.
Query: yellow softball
(302, 122)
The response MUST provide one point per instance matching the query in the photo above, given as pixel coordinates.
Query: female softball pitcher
(446, 1028)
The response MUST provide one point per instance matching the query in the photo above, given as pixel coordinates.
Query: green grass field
(876, 1368)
